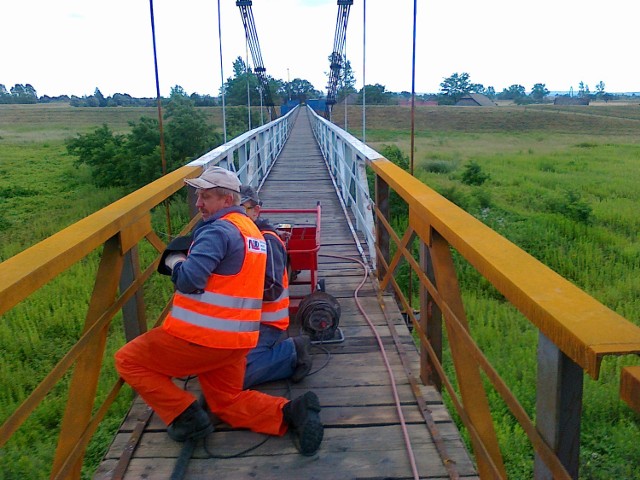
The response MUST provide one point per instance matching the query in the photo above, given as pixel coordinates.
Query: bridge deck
(363, 437)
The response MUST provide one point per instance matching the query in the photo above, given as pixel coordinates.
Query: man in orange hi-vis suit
(213, 324)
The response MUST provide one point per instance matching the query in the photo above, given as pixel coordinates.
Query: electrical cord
(405, 432)
(287, 395)
(327, 359)
(234, 455)
(188, 448)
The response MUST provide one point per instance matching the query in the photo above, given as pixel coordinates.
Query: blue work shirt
(276, 262)
(217, 247)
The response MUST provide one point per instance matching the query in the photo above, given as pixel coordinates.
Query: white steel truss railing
(252, 154)
(346, 157)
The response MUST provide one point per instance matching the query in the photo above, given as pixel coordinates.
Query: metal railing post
(382, 236)
(84, 383)
(431, 323)
(558, 407)
(133, 312)
(470, 383)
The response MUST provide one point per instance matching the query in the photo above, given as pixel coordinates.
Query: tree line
(453, 88)
(27, 94)
(244, 87)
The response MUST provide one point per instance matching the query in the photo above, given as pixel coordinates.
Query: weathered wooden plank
(373, 452)
(359, 404)
(361, 395)
(228, 442)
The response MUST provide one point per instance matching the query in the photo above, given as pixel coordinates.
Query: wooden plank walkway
(363, 437)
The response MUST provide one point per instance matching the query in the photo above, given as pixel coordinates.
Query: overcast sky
(73, 46)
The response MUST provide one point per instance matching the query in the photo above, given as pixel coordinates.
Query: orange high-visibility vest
(227, 313)
(276, 312)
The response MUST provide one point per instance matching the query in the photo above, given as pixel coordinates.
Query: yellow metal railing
(573, 326)
(117, 228)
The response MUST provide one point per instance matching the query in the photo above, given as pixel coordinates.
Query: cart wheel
(320, 285)
(319, 314)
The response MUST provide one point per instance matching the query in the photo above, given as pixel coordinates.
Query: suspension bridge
(380, 383)
(355, 390)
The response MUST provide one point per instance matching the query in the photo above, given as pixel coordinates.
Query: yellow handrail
(568, 316)
(118, 227)
(27, 271)
(579, 326)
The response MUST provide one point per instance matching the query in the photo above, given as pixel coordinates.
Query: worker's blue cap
(248, 193)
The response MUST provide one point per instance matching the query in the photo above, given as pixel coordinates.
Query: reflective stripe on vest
(225, 300)
(212, 322)
(275, 313)
(218, 317)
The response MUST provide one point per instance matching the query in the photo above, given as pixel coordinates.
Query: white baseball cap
(215, 177)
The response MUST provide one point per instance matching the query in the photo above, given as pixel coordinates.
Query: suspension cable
(337, 58)
(364, 71)
(346, 91)
(222, 87)
(413, 83)
(251, 35)
(246, 72)
(159, 103)
(413, 123)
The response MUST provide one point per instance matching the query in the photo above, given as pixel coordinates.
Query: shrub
(546, 166)
(572, 206)
(13, 191)
(4, 224)
(473, 174)
(238, 121)
(586, 145)
(134, 159)
(101, 151)
(483, 197)
(439, 166)
(394, 154)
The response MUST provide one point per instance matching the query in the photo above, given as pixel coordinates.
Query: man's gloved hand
(173, 258)
(177, 245)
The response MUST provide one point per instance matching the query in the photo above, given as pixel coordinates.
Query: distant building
(319, 105)
(419, 101)
(475, 100)
(567, 100)
(290, 105)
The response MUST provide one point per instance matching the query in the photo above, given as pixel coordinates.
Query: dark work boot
(193, 423)
(303, 417)
(304, 360)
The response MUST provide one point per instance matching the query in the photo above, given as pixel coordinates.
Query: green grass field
(562, 185)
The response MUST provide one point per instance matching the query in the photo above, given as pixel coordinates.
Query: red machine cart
(302, 240)
(315, 311)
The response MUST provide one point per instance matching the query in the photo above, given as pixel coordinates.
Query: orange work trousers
(149, 362)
